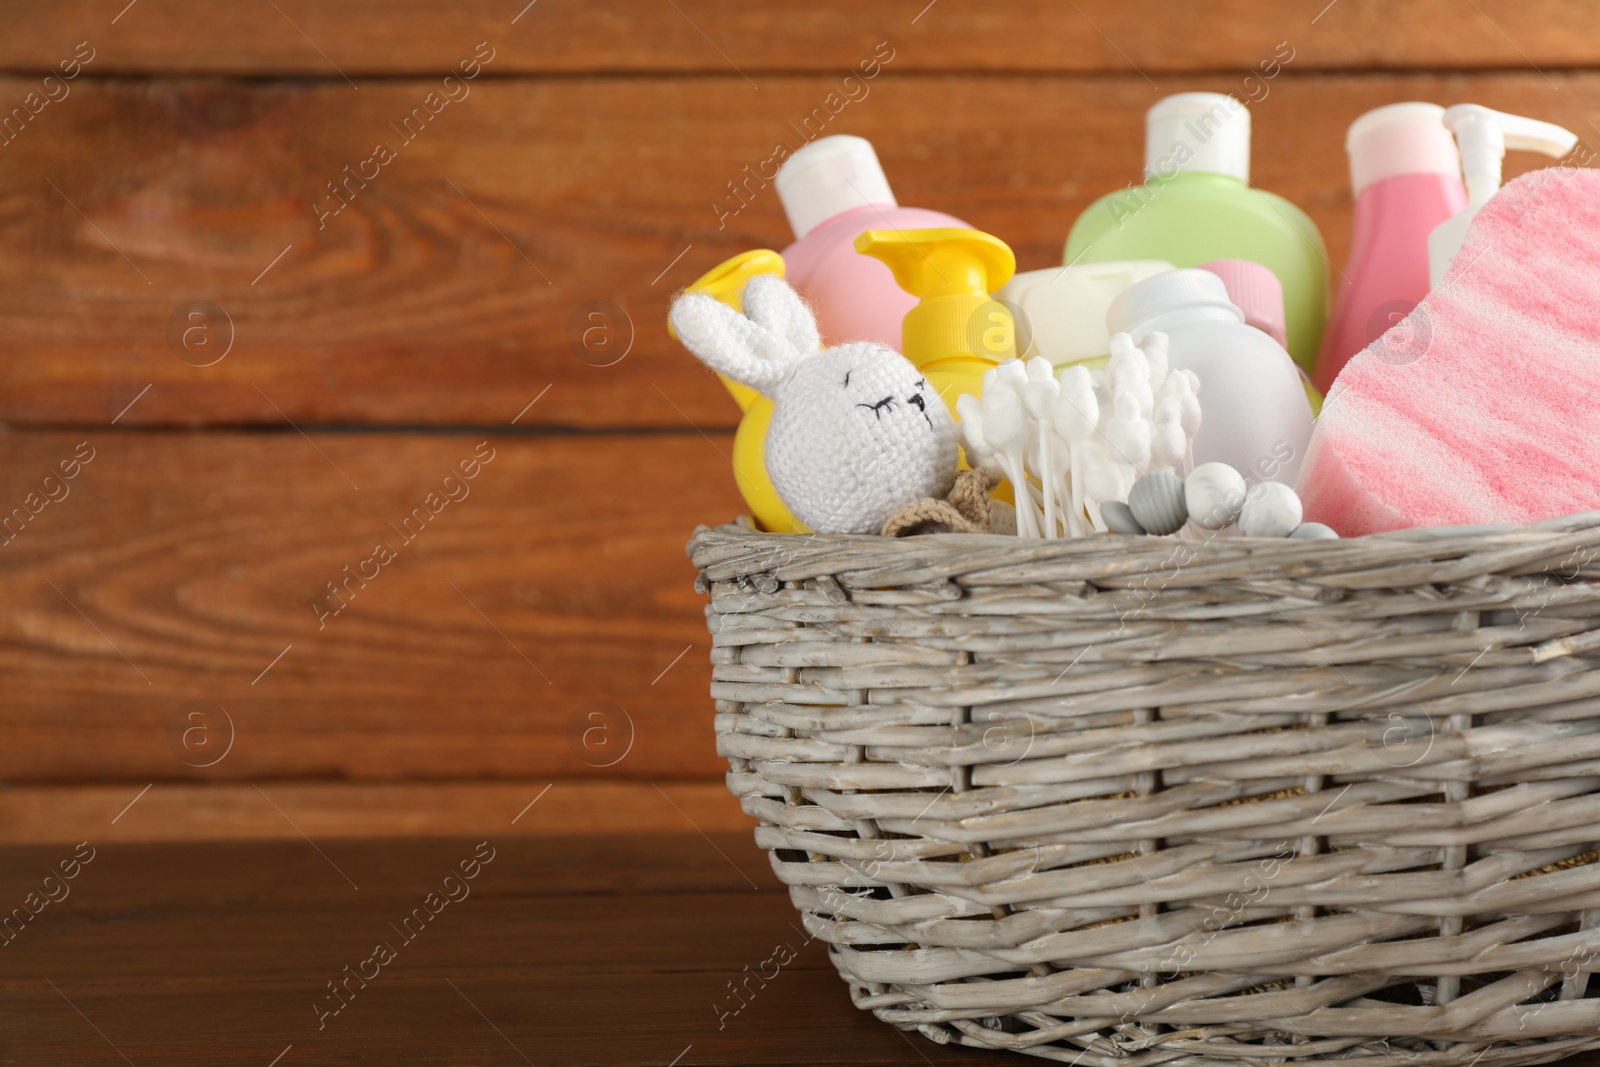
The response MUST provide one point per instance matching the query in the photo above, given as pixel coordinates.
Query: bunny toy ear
(731, 344)
(773, 303)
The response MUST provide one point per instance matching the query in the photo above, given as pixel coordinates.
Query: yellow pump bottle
(726, 282)
(957, 331)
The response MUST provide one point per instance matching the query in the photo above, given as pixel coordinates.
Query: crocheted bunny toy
(856, 431)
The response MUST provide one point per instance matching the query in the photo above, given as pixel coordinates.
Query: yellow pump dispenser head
(952, 270)
(725, 282)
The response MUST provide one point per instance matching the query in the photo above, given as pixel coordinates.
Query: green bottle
(1197, 206)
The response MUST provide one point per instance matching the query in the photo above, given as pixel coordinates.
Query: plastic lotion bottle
(1197, 205)
(1405, 175)
(1484, 136)
(1256, 417)
(834, 189)
(726, 282)
(955, 331)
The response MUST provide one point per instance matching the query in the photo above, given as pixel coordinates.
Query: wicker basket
(1128, 801)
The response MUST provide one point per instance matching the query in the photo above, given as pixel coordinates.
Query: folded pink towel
(1483, 404)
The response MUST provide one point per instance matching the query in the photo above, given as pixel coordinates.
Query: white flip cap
(1395, 139)
(1207, 132)
(1066, 306)
(828, 177)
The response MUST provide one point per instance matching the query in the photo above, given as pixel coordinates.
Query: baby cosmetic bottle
(1256, 415)
(833, 190)
(954, 330)
(1197, 205)
(1406, 178)
(726, 282)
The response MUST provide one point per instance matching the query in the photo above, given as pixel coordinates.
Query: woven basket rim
(736, 550)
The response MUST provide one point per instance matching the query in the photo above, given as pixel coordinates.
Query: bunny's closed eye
(878, 408)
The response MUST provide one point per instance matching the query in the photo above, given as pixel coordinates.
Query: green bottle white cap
(1204, 132)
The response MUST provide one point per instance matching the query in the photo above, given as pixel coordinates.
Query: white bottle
(1254, 414)
(1063, 309)
(1483, 137)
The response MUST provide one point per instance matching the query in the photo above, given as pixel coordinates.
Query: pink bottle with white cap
(1405, 173)
(833, 190)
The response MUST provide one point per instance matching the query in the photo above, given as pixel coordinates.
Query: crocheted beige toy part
(967, 508)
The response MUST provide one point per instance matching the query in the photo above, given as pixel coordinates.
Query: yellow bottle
(957, 331)
(726, 282)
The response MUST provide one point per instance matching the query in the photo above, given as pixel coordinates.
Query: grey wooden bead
(1120, 518)
(1157, 502)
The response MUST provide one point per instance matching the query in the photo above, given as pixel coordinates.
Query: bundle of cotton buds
(1068, 446)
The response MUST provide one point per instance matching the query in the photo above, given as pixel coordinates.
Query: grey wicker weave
(1129, 801)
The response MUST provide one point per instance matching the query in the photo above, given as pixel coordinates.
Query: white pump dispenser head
(1483, 136)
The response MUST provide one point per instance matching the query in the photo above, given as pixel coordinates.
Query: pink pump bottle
(1405, 174)
(833, 190)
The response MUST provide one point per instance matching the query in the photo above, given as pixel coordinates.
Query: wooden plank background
(541, 629)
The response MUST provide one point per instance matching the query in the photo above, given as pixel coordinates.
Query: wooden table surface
(605, 949)
(609, 949)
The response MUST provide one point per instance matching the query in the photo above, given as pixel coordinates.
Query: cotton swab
(1129, 371)
(1169, 447)
(1102, 481)
(1156, 351)
(1070, 446)
(969, 431)
(1039, 400)
(1005, 429)
(1127, 434)
(1189, 398)
(1076, 416)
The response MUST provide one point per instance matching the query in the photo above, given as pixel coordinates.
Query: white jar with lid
(1254, 413)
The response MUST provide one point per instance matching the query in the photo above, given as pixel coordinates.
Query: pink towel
(1483, 404)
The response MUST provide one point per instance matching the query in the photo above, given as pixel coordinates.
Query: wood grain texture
(343, 810)
(621, 863)
(451, 287)
(559, 953)
(543, 625)
(370, 37)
